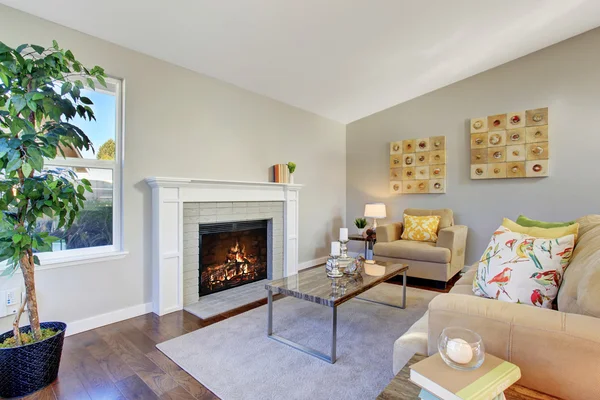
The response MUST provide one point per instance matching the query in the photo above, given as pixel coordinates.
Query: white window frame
(64, 258)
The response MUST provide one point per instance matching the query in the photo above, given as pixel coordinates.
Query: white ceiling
(342, 59)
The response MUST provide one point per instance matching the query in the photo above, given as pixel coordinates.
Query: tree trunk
(27, 267)
(16, 331)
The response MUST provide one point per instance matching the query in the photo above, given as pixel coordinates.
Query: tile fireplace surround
(176, 213)
(198, 213)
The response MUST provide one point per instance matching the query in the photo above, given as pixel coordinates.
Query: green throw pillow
(524, 221)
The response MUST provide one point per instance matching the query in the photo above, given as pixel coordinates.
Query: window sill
(77, 260)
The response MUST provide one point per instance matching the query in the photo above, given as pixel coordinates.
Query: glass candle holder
(344, 250)
(461, 348)
(332, 267)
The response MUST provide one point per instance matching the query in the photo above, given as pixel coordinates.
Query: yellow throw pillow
(422, 229)
(547, 233)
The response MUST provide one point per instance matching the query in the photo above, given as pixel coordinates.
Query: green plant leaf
(4, 79)
(4, 48)
(26, 168)
(101, 80)
(65, 88)
(38, 49)
(14, 162)
(4, 148)
(69, 56)
(91, 84)
(35, 159)
(17, 238)
(18, 102)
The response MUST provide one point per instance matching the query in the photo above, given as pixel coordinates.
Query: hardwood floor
(120, 361)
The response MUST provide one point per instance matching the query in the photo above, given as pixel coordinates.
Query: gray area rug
(235, 359)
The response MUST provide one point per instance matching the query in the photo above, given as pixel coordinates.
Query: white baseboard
(109, 318)
(311, 263)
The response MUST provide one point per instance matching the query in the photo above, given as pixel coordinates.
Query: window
(97, 231)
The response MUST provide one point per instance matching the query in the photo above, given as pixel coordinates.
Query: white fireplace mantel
(168, 196)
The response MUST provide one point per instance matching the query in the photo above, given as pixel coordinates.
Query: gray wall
(184, 124)
(564, 77)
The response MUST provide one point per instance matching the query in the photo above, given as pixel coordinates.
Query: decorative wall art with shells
(418, 166)
(513, 145)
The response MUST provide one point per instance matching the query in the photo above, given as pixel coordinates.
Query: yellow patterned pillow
(422, 229)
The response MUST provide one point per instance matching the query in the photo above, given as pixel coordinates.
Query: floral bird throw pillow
(518, 268)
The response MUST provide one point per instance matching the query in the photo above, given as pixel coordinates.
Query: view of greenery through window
(94, 227)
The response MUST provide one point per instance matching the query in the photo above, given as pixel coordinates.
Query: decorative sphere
(459, 351)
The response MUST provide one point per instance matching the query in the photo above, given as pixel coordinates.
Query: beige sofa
(435, 261)
(558, 351)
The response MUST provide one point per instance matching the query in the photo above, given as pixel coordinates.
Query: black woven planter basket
(28, 368)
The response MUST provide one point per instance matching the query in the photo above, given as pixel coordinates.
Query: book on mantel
(446, 383)
(280, 173)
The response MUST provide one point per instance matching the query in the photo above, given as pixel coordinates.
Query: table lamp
(375, 210)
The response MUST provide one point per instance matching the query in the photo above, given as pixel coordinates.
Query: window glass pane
(101, 132)
(94, 226)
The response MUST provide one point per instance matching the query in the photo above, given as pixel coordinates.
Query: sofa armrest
(557, 352)
(389, 233)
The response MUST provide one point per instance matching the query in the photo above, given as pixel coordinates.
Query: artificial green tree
(40, 94)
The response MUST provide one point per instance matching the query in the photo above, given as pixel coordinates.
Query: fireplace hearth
(232, 254)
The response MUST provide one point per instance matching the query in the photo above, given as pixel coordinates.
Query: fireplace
(232, 254)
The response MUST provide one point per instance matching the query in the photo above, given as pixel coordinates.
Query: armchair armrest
(557, 352)
(389, 233)
(454, 238)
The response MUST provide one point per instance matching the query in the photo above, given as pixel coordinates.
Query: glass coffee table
(315, 286)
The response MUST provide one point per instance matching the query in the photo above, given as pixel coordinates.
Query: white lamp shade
(375, 210)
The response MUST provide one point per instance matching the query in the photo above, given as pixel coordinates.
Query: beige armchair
(435, 261)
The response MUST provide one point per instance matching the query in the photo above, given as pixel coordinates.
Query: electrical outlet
(10, 298)
(3, 309)
(13, 297)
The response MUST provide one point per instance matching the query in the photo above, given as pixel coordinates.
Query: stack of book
(438, 381)
(281, 173)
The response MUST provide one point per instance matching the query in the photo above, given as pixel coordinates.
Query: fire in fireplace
(232, 254)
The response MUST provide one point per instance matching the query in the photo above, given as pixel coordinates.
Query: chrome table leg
(315, 353)
(333, 334)
(269, 313)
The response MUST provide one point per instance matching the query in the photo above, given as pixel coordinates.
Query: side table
(369, 241)
(402, 388)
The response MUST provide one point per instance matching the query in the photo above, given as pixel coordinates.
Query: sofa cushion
(463, 289)
(519, 268)
(580, 290)
(528, 222)
(411, 250)
(467, 278)
(550, 233)
(446, 215)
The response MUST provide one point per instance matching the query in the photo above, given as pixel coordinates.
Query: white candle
(459, 351)
(343, 234)
(335, 248)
